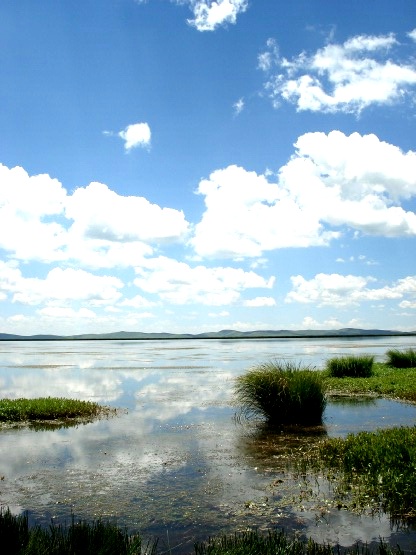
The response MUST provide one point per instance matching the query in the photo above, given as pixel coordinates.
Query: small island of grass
(48, 409)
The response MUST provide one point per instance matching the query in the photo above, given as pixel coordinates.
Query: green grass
(79, 538)
(375, 469)
(101, 538)
(282, 393)
(385, 382)
(46, 408)
(278, 543)
(350, 366)
(401, 359)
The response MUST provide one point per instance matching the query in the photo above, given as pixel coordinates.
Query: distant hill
(223, 334)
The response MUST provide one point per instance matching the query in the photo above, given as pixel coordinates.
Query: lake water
(175, 462)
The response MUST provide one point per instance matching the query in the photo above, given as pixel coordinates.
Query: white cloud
(65, 312)
(343, 291)
(100, 213)
(59, 285)
(136, 135)
(93, 227)
(331, 181)
(412, 34)
(260, 301)
(208, 14)
(346, 77)
(246, 215)
(238, 106)
(178, 283)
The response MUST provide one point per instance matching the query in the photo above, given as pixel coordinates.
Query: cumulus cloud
(346, 290)
(100, 213)
(332, 181)
(345, 77)
(178, 283)
(260, 301)
(93, 226)
(208, 14)
(136, 135)
(60, 285)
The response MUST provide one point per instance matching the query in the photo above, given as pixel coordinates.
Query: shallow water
(176, 462)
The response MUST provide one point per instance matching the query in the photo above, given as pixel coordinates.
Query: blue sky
(189, 165)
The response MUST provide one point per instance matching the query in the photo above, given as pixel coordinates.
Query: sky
(191, 165)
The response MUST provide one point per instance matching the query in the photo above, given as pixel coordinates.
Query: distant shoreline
(222, 335)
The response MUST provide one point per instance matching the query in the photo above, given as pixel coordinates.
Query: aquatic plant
(46, 408)
(401, 359)
(282, 393)
(360, 366)
(276, 542)
(97, 537)
(375, 468)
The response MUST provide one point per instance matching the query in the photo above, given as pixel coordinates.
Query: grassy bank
(100, 538)
(47, 408)
(371, 470)
(385, 381)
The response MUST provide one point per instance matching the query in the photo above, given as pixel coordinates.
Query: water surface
(175, 462)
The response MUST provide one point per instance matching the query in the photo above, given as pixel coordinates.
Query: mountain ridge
(222, 334)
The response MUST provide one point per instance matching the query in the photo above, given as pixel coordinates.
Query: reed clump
(360, 366)
(46, 408)
(401, 359)
(282, 393)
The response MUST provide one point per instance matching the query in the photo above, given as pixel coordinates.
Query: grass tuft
(401, 359)
(282, 393)
(351, 366)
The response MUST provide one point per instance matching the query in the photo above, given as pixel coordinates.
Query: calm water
(175, 462)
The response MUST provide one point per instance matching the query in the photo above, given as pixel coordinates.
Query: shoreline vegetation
(98, 537)
(223, 334)
(49, 409)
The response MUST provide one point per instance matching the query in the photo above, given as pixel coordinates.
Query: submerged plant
(401, 359)
(283, 393)
(351, 366)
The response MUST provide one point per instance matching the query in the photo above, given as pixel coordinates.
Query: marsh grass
(375, 470)
(385, 381)
(351, 366)
(276, 542)
(401, 359)
(282, 393)
(47, 408)
(79, 538)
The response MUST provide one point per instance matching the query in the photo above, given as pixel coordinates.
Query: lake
(176, 462)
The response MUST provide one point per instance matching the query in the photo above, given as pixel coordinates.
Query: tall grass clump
(79, 538)
(282, 393)
(351, 366)
(401, 359)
